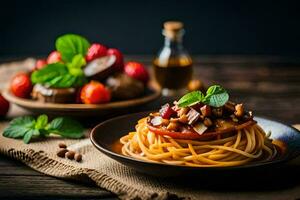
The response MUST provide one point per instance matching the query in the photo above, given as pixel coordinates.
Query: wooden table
(268, 85)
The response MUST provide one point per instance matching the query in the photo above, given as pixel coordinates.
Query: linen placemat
(105, 172)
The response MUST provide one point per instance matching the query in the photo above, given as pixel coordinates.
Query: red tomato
(119, 64)
(137, 71)
(192, 135)
(94, 93)
(176, 135)
(54, 57)
(96, 51)
(4, 106)
(40, 63)
(21, 85)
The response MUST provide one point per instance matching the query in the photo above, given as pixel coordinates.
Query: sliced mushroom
(205, 110)
(193, 116)
(100, 68)
(157, 121)
(200, 128)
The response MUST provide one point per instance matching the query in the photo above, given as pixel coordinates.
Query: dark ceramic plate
(104, 135)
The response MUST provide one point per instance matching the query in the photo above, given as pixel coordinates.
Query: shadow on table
(279, 177)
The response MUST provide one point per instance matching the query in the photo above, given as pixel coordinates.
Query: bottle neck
(173, 43)
(172, 39)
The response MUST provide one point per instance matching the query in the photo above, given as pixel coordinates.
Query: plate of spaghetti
(198, 133)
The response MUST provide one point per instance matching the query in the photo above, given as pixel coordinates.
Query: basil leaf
(19, 127)
(216, 96)
(63, 81)
(54, 81)
(80, 81)
(29, 134)
(77, 62)
(48, 73)
(70, 45)
(66, 127)
(76, 72)
(55, 124)
(41, 122)
(190, 99)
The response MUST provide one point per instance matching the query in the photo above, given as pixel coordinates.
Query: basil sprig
(216, 96)
(70, 45)
(58, 75)
(73, 49)
(28, 127)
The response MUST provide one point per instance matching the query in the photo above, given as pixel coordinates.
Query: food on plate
(201, 130)
(95, 51)
(94, 93)
(119, 64)
(137, 71)
(77, 64)
(4, 106)
(55, 95)
(119, 85)
(100, 68)
(54, 57)
(40, 63)
(21, 85)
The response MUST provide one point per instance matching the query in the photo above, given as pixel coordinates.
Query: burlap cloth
(105, 172)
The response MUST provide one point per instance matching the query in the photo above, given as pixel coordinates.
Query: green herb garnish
(28, 127)
(70, 45)
(73, 49)
(216, 96)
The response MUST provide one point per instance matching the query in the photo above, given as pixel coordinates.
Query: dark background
(212, 27)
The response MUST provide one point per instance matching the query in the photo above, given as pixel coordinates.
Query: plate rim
(29, 103)
(113, 154)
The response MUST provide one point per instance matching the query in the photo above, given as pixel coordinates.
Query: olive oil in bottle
(173, 66)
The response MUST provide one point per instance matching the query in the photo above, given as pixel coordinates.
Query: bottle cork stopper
(173, 25)
(172, 29)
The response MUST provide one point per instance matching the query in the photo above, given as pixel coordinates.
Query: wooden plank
(18, 180)
(45, 186)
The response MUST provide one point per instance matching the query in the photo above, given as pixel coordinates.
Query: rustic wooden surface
(268, 85)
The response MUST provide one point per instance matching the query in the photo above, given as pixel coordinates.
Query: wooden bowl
(82, 110)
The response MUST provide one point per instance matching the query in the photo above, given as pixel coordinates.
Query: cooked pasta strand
(248, 144)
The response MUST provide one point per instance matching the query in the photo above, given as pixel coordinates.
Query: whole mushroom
(124, 87)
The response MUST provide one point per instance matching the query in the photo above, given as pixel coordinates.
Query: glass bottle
(173, 65)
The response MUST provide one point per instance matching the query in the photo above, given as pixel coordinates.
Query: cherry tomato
(54, 57)
(137, 71)
(21, 85)
(4, 106)
(94, 93)
(119, 64)
(95, 51)
(40, 63)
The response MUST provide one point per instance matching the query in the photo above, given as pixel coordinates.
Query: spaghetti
(200, 131)
(248, 144)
